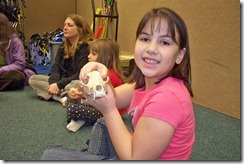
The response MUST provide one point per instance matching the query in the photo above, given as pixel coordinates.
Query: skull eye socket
(98, 88)
(105, 79)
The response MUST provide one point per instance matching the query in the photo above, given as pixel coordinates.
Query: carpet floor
(30, 125)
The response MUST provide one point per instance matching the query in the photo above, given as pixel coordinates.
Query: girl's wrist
(110, 112)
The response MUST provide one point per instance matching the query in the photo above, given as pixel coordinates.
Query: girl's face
(92, 57)
(155, 52)
(70, 30)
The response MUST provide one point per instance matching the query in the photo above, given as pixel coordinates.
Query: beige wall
(214, 32)
(45, 15)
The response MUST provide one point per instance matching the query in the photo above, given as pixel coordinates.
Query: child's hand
(104, 104)
(91, 66)
(75, 94)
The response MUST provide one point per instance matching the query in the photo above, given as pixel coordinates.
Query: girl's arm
(123, 95)
(150, 138)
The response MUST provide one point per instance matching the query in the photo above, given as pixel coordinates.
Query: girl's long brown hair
(108, 54)
(175, 22)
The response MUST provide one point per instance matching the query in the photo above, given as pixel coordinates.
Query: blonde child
(105, 51)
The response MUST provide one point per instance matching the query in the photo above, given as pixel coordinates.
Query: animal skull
(96, 85)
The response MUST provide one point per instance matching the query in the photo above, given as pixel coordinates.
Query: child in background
(14, 73)
(105, 51)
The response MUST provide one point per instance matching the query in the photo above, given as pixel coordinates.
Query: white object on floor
(63, 100)
(75, 125)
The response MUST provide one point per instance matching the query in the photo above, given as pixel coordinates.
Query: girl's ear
(180, 56)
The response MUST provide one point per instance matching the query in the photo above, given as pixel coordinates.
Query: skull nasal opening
(98, 88)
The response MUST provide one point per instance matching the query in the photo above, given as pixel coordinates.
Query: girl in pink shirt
(158, 95)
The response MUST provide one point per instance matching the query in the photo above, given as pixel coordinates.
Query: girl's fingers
(91, 66)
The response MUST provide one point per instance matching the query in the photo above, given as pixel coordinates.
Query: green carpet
(30, 125)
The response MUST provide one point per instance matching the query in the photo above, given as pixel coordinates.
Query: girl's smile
(150, 61)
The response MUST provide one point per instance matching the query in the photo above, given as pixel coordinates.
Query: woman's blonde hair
(6, 30)
(85, 35)
(108, 54)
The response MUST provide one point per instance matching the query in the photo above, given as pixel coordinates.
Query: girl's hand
(91, 66)
(104, 104)
(53, 89)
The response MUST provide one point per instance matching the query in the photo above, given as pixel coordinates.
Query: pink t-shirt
(169, 101)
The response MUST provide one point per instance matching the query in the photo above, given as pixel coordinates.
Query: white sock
(75, 125)
(63, 100)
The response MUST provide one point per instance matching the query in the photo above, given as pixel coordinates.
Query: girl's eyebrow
(161, 36)
(166, 36)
